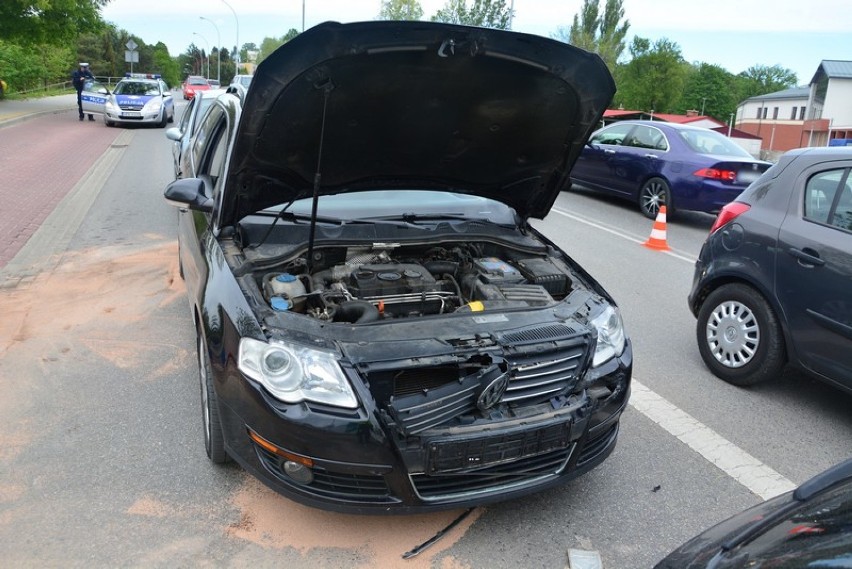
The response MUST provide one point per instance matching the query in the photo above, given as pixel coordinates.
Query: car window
(812, 535)
(614, 134)
(210, 146)
(184, 119)
(710, 142)
(828, 198)
(647, 137)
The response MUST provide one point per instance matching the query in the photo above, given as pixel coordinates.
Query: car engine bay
(362, 284)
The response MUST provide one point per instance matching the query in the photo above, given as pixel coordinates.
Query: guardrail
(63, 86)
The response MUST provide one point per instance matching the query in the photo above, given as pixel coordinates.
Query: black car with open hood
(379, 327)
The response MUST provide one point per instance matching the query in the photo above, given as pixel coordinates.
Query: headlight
(610, 335)
(294, 373)
(153, 106)
(110, 107)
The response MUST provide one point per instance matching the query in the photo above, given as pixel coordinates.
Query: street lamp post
(237, 20)
(208, 51)
(218, 51)
(703, 100)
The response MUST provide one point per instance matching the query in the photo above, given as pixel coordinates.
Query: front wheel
(214, 439)
(653, 194)
(739, 336)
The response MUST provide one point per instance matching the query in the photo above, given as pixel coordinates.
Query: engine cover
(390, 279)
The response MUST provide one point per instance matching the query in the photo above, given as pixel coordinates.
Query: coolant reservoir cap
(285, 278)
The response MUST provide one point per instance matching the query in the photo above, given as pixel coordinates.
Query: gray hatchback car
(772, 282)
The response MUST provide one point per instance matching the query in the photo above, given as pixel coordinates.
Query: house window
(758, 112)
(775, 114)
(765, 110)
(802, 114)
(793, 114)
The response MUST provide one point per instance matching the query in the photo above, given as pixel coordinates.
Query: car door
(640, 157)
(814, 269)
(168, 100)
(94, 97)
(208, 153)
(597, 166)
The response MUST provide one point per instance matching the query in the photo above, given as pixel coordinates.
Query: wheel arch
(725, 279)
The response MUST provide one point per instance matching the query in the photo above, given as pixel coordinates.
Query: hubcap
(733, 334)
(653, 196)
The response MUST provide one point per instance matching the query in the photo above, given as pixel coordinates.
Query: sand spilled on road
(85, 308)
(272, 521)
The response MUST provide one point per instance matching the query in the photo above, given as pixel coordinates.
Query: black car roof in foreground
(420, 105)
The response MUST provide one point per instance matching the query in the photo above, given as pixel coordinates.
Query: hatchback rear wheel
(653, 194)
(739, 336)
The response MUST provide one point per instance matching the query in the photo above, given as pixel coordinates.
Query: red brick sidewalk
(40, 162)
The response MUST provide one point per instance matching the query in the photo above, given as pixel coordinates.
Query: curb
(10, 120)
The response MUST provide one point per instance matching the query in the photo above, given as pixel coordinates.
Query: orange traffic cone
(657, 240)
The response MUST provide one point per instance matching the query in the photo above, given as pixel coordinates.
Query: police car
(137, 98)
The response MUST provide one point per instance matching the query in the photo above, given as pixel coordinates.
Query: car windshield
(197, 81)
(136, 88)
(710, 142)
(245, 80)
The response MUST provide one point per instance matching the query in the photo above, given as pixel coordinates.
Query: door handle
(608, 151)
(807, 257)
(654, 156)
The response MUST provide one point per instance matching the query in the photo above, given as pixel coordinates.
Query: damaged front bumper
(362, 461)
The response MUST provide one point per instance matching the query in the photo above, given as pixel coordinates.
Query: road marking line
(682, 256)
(729, 458)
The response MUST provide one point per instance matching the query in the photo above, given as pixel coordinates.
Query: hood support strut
(327, 86)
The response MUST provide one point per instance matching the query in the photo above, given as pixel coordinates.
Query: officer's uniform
(78, 78)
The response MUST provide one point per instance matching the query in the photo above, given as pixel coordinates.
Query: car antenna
(327, 86)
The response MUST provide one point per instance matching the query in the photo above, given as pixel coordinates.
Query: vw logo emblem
(493, 392)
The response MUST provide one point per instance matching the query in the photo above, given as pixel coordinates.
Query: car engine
(359, 285)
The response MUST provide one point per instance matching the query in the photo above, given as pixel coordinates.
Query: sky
(734, 34)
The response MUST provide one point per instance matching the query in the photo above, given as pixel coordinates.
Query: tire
(739, 337)
(214, 439)
(163, 121)
(654, 193)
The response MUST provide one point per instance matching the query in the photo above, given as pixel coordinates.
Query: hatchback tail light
(729, 213)
(716, 174)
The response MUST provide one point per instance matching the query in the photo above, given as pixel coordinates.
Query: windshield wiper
(419, 218)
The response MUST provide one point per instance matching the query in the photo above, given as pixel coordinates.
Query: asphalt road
(101, 453)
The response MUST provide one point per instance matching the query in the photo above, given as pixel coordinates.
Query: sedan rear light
(729, 213)
(716, 174)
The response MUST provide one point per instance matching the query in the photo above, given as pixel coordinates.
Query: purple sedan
(655, 163)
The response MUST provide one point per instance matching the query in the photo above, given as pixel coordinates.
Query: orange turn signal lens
(303, 460)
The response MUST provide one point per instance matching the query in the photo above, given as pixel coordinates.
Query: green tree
(52, 22)
(483, 13)
(35, 66)
(268, 45)
(400, 10)
(603, 34)
(653, 79)
(709, 88)
(762, 79)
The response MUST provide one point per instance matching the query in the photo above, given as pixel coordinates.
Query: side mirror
(174, 133)
(188, 192)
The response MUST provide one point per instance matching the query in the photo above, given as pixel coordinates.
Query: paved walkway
(13, 111)
(42, 161)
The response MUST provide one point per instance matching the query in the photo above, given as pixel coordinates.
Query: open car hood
(415, 105)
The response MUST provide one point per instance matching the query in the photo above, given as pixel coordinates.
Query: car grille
(543, 363)
(132, 107)
(498, 478)
(334, 485)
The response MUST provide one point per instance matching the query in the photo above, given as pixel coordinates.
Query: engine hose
(356, 312)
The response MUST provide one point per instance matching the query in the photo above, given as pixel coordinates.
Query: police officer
(79, 78)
